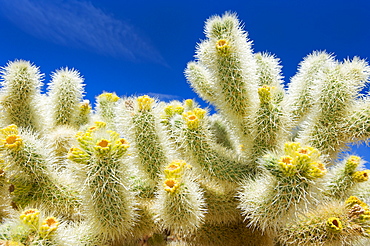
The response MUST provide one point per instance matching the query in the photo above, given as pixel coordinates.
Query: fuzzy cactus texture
(265, 169)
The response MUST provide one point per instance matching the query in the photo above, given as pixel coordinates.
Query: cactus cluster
(265, 169)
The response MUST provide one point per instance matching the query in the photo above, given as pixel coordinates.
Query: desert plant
(262, 170)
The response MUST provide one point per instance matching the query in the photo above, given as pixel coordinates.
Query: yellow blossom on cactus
(264, 93)
(48, 226)
(13, 142)
(145, 103)
(192, 121)
(317, 170)
(123, 142)
(85, 105)
(9, 130)
(30, 217)
(361, 176)
(352, 163)
(77, 155)
(287, 166)
(189, 104)
(175, 168)
(102, 146)
(100, 124)
(223, 46)
(291, 147)
(352, 200)
(179, 110)
(200, 113)
(110, 97)
(171, 185)
(169, 110)
(334, 224)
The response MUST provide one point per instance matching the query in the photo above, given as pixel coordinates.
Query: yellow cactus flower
(30, 217)
(123, 142)
(199, 112)
(192, 121)
(334, 224)
(352, 200)
(189, 104)
(110, 97)
(13, 142)
(317, 170)
(48, 226)
(145, 103)
(264, 93)
(102, 146)
(287, 166)
(9, 130)
(175, 168)
(223, 47)
(171, 185)
(169, 110)
(85, 107)
(179, 110)
(361, 176)
(352, 163)
(77, 155)
(291, 147)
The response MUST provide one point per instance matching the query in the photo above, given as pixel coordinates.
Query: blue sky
(142, 47)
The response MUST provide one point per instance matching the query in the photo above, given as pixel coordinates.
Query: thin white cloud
(163, 97)
(79, 24)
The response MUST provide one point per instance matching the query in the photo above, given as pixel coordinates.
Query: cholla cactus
(262, 170)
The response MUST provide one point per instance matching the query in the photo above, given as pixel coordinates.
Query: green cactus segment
(149, 148)
(108, 201)
(228, 58)
(65, 93)
(357, 126)
(105, 108)
(21, 82)
(268, 133)
(180, 204)
(32, 181)
(346, 177)
(200, 79)
(342, 82)
(333, 223)
(269, 201)
(301, 92)
(212, 162)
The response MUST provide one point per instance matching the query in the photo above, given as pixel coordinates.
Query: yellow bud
(223, 47)
(102, 146)
(48, 226)
(171, 185)
(352, 200)
(110, 97)
(30, 217)
(200, 113)
(334, 224)
(13, 142)
(361, 176)
(191, 120)
(175, 169)
(291, 147)
(189, 104)
(352, 163)
(264, 93)
(145, 103)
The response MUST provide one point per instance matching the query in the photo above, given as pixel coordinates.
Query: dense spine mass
(264, 169)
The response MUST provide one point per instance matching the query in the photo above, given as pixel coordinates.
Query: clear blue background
(142, 47)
